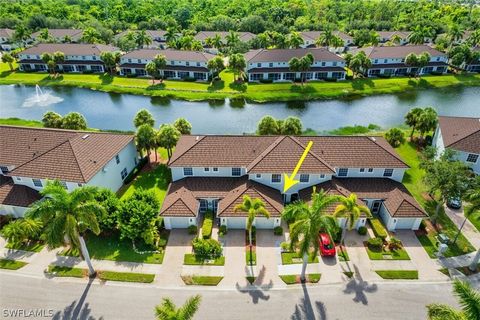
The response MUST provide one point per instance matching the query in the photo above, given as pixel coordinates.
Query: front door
(376, 206)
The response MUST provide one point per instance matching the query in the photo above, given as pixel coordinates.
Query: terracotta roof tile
(170, 54)
(16, 195)
(314, 35)
(461, 133)
(74, 34)
(398, 51)
(69, 49)
(244, 36)
(272, 55)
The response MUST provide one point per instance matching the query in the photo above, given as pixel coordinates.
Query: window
(19, 179)
(198, 64)
(258, 176)
(187, 171)
(304, 178)
(187, 63)
(4, 169)
(276, 178)
(322, 176)
(64, 185)
(206, 169)
(37, 183)
(215, 169)
(124, 173)
(203, 205)
(236, 172)
(259, 65)
(117, 159)
(388, 172)
(79, 184)
(343, 172)
(270, 64)
(362, 169)
(472, 158)
(370, 169)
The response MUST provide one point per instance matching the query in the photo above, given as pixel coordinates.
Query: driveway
(234, 251)
(268, 259)
(469, 230)
(179, 243)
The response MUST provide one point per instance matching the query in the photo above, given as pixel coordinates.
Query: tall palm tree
(310, 220)
(417, 36)
(253, 208)
(295, 40)
(351, 211)
(142, 39)
(455, 33)
(171, 35)
(325, 38)
(469, 300)
(67, 216)
(232, 39)
(169, 311)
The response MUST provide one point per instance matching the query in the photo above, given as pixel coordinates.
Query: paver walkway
(468, 230)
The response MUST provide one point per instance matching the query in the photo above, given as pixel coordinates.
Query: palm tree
(168, 311)
(325, 38)
(412, 119)
(232, 39)
(474, 39)
(417, 36)
(237, 63)
(253, 208)
(67, 216)
(161, 62)
(8, 58)
(171, 35)
(351, 211)
(455, 33)
(310, 220)
(469, 300)
(295, 40)
(217, 42)
(152, 70)
(142, 38)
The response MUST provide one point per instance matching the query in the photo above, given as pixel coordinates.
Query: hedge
(136, 170)
(207, 225)
(378, 228)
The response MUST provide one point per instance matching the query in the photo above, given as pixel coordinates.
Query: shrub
(278, 231)
(375, 243)
(378, 228)
(394, 244)
(207, 248)
(192, 229)
(136, 170)
(423, 225)
(285, 246)
(266, 81)
(337, 235)
(395, 137)
(222, 230)
(349, 77)
(385, 75)
(330, 79)
(362, 230)
(189, 79)
(87, 71)
(207, 225)
(132, 75)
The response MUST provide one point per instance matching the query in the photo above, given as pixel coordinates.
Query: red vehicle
(327, 247)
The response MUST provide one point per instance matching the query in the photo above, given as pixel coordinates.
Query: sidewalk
(469, 230)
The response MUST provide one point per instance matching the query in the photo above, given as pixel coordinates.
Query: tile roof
(6, 33)
(178, 55)
(73, 156)
(389, 34)
(74, 34)
(244, 36)
(69, 49)
(16, 195)
(247, 151)
(397, 51)
(270, 55)
(461, 133)
(314, 35)
(152, 33)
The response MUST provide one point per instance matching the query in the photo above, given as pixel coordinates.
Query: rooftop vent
(197, 137)
(85, 136)
(373, 139)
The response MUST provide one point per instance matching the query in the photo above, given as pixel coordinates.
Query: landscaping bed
(295, 278)
(202, 280)
(58, 271)
(192, 259)
(247, 257)
(126, 276)
(385, 253)
(11, 264)
(466, 270)
(398, 274)
(290, 257)
(32, 246)
(342, 253)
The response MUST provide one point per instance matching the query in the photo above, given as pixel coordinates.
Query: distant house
(264, 64)
(385, 36)
(203, 35)
(157, 36)
(6, 39)
(462, 135)
(474, 66)
(32, 156)
(391, 60)
(78, 57)
(59, 35)
(180, 64)
(215, 172)
(465, 36)
(310, 38)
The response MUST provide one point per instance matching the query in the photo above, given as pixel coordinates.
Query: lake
(116, 111)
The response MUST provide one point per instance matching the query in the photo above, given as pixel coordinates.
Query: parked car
(454, 203)
(327, 247)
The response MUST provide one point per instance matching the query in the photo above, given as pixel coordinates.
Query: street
(354, 300)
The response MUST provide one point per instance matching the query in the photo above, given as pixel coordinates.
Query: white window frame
(206, 169)
(343, 170)
(258, 176)
(276, 175)
(215, 169)
(117, 159)
(370, 170)
(189, 169)
(303, 176)
(388, 172)
(37, 183)
(124, 173)
(234, 171)
(472, 155)
(362, 170)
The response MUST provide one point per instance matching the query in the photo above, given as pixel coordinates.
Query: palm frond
(190, 307)
(469, 299)
(437, 311)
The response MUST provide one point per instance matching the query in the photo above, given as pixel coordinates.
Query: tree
(215, 65)
(268, 126)
(142, 117)
(91, 35)
(183, 126)
(455, 33)
(152, 70)
(395, 137)
(161, 62)
(142, 39)
(351, 211)
(21, 34)
(292, 126)
(67, 216)
(74, 121)
(253, 208)
(107, 219)
(365, 37)
(417, 61)
(418, 35)
(52, 119)
(168, 311)
(145, 138)
(138, 217)
(21, 231)
(44, 36)
(237, 63)
(110, 60)
(427, 121)
(58, 58)
(474, 39)
(168, 137)
(8, 58)
(472, 196)
(171, 35)
(253, 23)
(360, 63)
(232, 39)
(48, 60)
(469, 301)
(309, 221)
(301, 65)
(325, 38)
(294, 40)
(412, 119)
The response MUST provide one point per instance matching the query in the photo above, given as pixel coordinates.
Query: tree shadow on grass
(216, 86)
(157, 86)
(304, 309)
(359, 287)
(303, 89)
(361, 84)
(106, 78)
(238, 86)
(257, 289)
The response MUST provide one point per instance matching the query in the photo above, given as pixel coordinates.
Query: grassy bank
(11, 264)
(226, 88)
(398, 274)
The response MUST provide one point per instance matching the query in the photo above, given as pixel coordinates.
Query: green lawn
(398, 274)
(349, 274)
(247, 257)
(67, 271)
(295, 258)
(21, 122)
(226, 88)
(202, 280)
(11, 264)
(112, 248)
(32, 246)
(475, 219)
(126, 276)
(294, 278)
(156, 180)
(399, 254)
(342, 253)
(191, 259)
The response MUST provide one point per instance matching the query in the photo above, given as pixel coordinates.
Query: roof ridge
(233, 200)
(255, 184)
(265, 152)
(467, 136)
(313, 153)
(75, 157)
(389, 151)
(188, 149)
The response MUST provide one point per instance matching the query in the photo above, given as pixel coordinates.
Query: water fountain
(41, 98)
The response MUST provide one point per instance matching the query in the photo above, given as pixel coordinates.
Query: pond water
(116, 111)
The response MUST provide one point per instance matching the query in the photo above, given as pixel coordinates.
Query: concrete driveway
(268, 259)
(234, 251)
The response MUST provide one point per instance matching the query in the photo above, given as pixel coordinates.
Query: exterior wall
(140, 71)
(393, 223)
(234, 222)
(309, 75)
(179, 222)
(462, 156)
(17, 212)
(177, 172)
(437, 141)
(23, 56)
(266, 179)
(184, 63)
(76, 67)
(360, 223)
(380, 61)
(376, 173)
(284, 64)
(392, 71)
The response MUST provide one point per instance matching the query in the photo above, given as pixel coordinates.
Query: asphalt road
(54, 299)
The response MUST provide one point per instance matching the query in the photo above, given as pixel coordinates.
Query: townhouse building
(390, 61)
(310, 38)
(215, 172)
(31, 157)
(203, 35)
(6, 39)
(60, 35)
(273, 65)
(78, 57)
(158, 37)
(386, 36)
(461, 134)
(180, 64)
(474, 66)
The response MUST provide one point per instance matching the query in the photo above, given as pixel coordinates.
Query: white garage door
(264, 223)
(405, 223)
(236, 223)
(179, 222)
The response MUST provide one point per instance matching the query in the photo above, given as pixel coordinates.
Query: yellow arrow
(290, 180)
